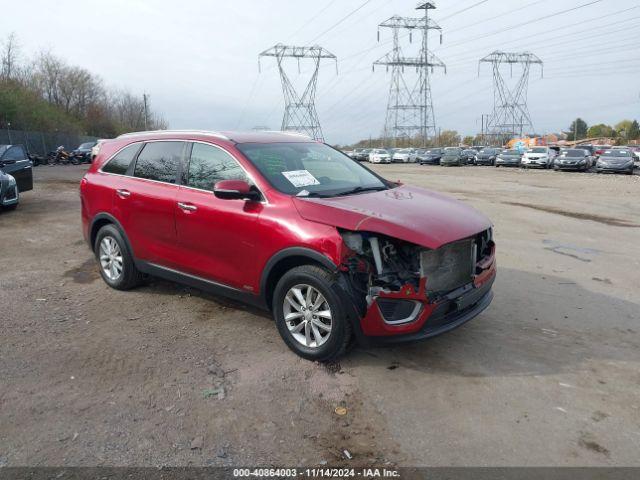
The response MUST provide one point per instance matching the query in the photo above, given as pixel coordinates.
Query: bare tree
(9, 56)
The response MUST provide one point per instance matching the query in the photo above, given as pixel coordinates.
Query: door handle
(187, 207)
(123, 193)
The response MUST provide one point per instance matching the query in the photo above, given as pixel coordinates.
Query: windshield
(617, 153)
(575, 153)
(452, 151)
(488, 151)
(469, 152)
(538, 150)
(435, 151)
(511, 153)
(3, 148)
(310, 169)
(381, 152)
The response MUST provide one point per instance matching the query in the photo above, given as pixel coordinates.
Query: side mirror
(235, 190)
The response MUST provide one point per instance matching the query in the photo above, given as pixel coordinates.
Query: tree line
(622, 132)
(45, 93)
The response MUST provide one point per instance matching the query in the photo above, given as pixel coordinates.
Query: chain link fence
(40, 143)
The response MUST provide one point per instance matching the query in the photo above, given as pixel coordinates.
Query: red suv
(291, 225)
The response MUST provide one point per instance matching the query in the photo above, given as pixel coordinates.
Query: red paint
(231, 241)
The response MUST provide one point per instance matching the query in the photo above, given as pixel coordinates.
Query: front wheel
(309, 314)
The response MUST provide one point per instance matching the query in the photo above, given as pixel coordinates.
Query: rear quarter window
(120, 163)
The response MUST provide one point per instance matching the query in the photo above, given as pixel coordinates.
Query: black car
(589, 148)
(573, 159)
(469, 156)
(509, 158)
(361, 154)
(430, 157)
(621, 161)
(82, 154)
(452, 157)
(14, 161)
(487, 156)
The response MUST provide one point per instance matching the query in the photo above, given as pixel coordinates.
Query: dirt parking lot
(166, 375)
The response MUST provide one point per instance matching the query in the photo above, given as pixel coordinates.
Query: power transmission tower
(410, 106)
(300, 111)
(510, 116)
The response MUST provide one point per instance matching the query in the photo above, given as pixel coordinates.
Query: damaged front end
(405, 291)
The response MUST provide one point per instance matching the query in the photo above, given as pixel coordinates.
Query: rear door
(15, 162)
(144, 201)
(217, 238)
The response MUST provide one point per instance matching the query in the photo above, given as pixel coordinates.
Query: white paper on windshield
(300, 178)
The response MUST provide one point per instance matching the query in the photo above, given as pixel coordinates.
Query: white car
(405, 155)
(379, 156)
(538, 157)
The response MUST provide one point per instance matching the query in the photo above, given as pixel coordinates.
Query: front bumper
(431, 319)
(570, 166)
(504, 163)
(614, 168)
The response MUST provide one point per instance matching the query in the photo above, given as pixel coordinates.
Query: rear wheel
(309, 314)
(117, 267)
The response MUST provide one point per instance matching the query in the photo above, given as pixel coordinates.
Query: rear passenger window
(120, 163)
(209, 165)
(159, 161)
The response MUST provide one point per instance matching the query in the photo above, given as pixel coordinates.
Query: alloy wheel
(111, 258)
(307, 315)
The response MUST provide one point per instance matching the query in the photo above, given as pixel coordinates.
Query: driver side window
(209, 165)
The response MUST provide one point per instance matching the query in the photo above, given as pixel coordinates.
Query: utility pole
(410, 110)
(146, 114)
(9, 132)
(300, 110)
(510, 113)
(575, 131)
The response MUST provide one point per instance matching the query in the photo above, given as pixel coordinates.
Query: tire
(322, 281)
(129, 276)
(9, 208)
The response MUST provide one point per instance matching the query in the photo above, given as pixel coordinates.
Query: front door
(216, 238)
(15, 162)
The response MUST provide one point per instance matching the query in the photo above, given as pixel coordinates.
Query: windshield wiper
(360, 190)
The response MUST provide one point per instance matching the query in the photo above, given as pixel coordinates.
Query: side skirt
(201, 284)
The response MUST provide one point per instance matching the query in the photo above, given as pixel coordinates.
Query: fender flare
(114, 221)
(288, 253)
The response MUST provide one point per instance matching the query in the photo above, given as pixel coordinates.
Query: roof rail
(173, 132)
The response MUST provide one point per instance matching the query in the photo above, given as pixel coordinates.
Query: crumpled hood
(408, 213)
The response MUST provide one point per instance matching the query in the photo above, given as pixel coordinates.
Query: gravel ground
(166, 375)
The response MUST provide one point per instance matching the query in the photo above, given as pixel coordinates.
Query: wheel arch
(285, 260)
(100, 221)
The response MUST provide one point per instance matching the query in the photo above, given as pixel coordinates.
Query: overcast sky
(198, 59)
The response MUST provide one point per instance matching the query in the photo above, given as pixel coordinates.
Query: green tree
(469, 140)
(577, 130)
(600, 130)
(623, 127)
(634, 131)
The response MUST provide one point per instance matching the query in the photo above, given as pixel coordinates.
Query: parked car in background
(452, 157)
(82, 154)
(589, 148)
(14, 161)
(404, 155)
(378, 155)
(621, 161)
(431, 156)
(469, 156)
(574, 159)
(9, 194)
(508, 158)
(599, 149)
(636, 151)
(348, 255)
(538, 157)
(487, 156)
(360, 154)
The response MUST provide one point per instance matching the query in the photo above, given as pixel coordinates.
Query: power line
(341, 20)
(312, 19)
(463, 10)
